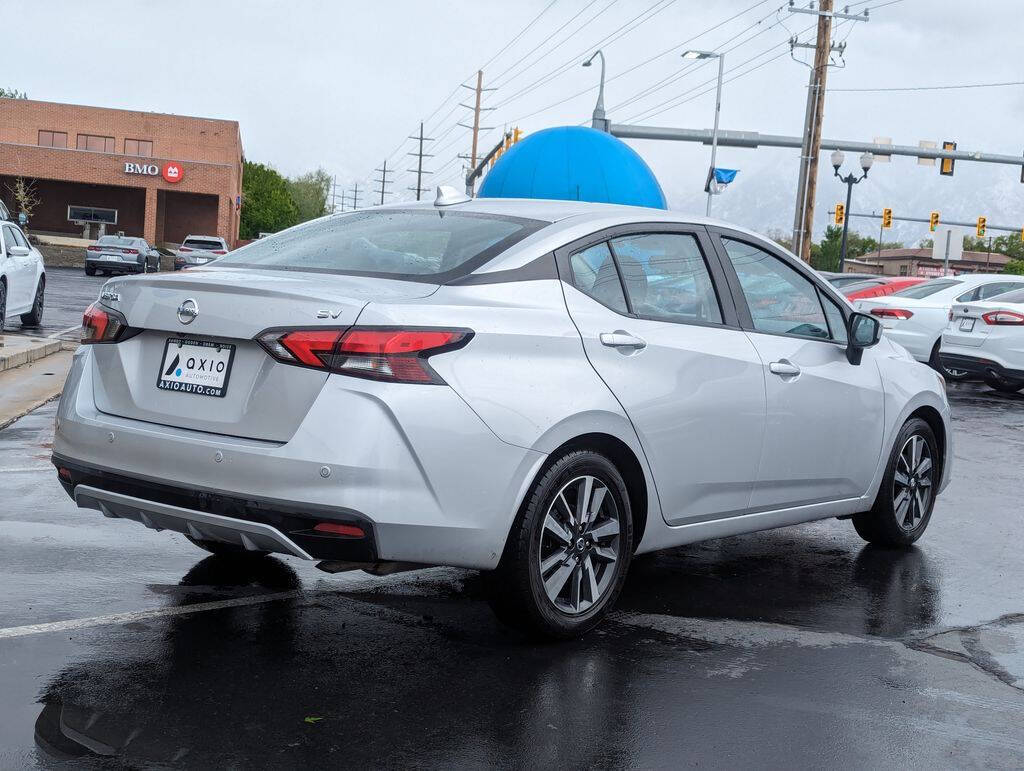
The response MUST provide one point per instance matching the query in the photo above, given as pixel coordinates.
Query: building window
(53, 139)
(142, 148)
(95, 143)
(904, 270)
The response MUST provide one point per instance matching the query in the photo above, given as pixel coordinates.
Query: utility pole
(355, 196)
(803, 219)
(334, 196)
(420, 155)
(383, 181)
(477, 109)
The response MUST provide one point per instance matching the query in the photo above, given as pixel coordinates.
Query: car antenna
(448, 196)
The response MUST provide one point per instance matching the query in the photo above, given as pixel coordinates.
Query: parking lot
(799, 646)
(68, 292)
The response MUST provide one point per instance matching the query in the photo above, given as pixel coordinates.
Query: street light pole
(850, 179)
(718, 110)
(598, 121)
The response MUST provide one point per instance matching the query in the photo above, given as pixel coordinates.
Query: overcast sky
(341, 84)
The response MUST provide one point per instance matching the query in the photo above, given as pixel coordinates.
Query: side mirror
(17, 251)
(862, 331)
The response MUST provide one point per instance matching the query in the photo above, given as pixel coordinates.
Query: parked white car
(986, 340)
(22, 277)
(915, 317)
(199, 250)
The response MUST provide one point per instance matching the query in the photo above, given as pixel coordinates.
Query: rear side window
(927, 289)
(781, 299)
(991, 290)
(594, 273)
(412, 244)
(666, 277)
(1017, 296)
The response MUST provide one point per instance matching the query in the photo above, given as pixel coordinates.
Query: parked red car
(878, 287)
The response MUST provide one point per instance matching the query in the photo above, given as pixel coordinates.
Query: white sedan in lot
(916, 317)
(22, 277)
(986, 340)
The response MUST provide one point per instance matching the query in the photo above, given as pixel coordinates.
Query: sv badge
(323, 314)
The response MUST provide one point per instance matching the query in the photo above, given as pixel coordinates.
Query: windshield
(927, 289)
(411, 244)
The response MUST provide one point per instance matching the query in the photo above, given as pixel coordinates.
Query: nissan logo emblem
(188, 311)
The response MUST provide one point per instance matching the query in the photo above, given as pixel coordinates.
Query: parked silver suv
(199, 250)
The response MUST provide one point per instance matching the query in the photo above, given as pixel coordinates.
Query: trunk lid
(263, 399)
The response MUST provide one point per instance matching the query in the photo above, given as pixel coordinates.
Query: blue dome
(574, 163)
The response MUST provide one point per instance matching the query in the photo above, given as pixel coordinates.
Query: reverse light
(102, 325)
(395, 355)
(891, 313)
(1003, 318)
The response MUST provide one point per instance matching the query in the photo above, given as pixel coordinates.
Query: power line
(932, 88)
(522, 32)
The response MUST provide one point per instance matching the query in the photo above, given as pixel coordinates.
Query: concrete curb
(31, 386)
(16, 350)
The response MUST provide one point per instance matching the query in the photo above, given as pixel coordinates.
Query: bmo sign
(171, 171)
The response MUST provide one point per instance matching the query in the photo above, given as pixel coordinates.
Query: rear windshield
(117, 241)
(203, 243)
(417, 245)
(927, 289)
(857, 286)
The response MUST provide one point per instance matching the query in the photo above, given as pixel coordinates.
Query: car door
(20, 270)
(666, 342)
(825, 416)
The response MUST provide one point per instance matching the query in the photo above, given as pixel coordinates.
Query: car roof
(211, 238)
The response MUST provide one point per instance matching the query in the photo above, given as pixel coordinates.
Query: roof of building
(925, 253)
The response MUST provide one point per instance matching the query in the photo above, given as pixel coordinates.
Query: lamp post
(599, 121)
(718, 108)
(865, 163)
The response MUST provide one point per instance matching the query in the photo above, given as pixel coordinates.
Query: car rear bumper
(979, 367)
(118, 266)
(918, 343)
(414, 463)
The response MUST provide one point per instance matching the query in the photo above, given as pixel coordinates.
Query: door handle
(784, 368)
(620, 339)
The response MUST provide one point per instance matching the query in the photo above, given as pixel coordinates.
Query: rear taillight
(94, 248)
(394, 355)
(102, 325)
(1003, 318)
(891, 313)
(950, 314)
(184, 249)
(129, 251)
(218, 251)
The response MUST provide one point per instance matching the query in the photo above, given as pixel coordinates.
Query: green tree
(1016, 267)
(12, 93)
(267, 204)
(309, 192)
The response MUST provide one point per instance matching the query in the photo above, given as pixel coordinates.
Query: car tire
(561, 573)
(906, 497)
(951, 375)
(222, 548)
(3, 305)
(90, 271)
(35, 316)
(1004, 386)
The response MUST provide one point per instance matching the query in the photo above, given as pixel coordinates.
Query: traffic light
(982, 221)
(933, 221)
(946, 164)
(840, 213)
(886, 218)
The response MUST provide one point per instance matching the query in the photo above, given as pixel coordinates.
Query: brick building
(919, 262)
(99, 170)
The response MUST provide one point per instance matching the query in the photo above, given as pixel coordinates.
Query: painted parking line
(25, 469)
(75, 328)
(142, 615)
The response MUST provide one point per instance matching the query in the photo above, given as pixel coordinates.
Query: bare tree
(24, 194)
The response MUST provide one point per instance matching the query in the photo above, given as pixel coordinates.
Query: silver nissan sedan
(539, 390)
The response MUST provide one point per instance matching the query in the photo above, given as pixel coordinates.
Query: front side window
(667, 278)
(417, 244)
(53, 139)
(96, 144)
(594, 274)
(780, 298)
(9, 239)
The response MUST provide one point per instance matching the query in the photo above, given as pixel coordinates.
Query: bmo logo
(171, 171)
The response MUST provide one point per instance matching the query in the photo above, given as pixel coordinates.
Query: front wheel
(35, 316)
(1004, 386)
(906, 497)
(566, 557)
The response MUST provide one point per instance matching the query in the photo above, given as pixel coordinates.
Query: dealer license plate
(196, 367)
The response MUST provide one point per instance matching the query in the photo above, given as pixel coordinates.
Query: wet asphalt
(68, 293)
(797, 647)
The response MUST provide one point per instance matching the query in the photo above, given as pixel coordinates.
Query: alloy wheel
(579, 545)
(912, 482)
(3, 305)
(37, 306)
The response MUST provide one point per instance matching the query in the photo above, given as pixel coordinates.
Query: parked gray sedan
(121, 254)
